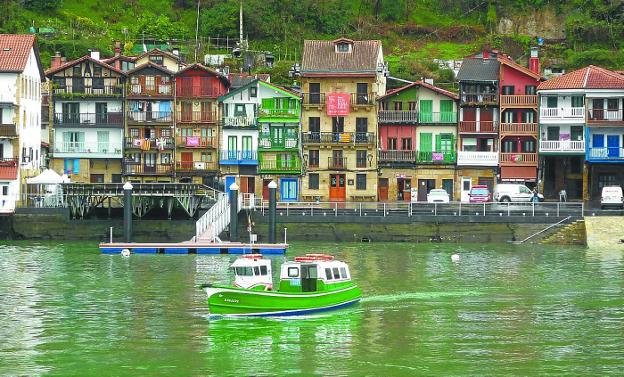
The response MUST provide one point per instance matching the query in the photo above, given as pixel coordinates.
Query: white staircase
(215, 220)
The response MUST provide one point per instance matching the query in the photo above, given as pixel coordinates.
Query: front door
(404, 189)
(288, 189)
(265, 189)
(247, 185)
(613, 145)
(186, 160)
(382, 189)
(337, 190)
(465, 189)
(447, 185)
(309, 277)
(424, 186)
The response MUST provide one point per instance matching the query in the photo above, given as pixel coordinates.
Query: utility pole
(197, 30)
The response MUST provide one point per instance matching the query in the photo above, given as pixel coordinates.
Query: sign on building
(337, 104)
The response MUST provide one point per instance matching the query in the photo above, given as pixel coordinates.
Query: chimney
(117, 48)
(486, 54)
(534, 61)
(95, 54)
(56, 60)
(175, 51)
(428, 81)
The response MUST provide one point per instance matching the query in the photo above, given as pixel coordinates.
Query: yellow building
(341, 80)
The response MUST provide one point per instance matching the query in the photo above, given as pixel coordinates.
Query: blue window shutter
(76, 168)
(67, 166)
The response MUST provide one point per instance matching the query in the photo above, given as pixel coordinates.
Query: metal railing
(215, 220)
(268, 142)
(362, 99)
(491, 210)
(483, 126)
(338, 137)
(313, 98)
(150, 116)
(89, 119)
(83, 147)
(196, 141)
(280, 165)
(446, 157)
(602, 115)
(562, 146)
(397, 116)
(281, 113)
(562, 112)
(158, 143)
(234, 156)
(606, 153)
(338, 163)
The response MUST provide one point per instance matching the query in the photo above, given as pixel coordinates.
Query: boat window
(328, 273)
(343, 272)
(256, 270)
(263, 270)
(243, 271)
(293, 272)
(336, 273)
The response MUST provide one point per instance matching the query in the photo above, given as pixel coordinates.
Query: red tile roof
(590, 77)
(424, 85)
(8, 170)
(15, 50)
(202, 67)
(52, 71)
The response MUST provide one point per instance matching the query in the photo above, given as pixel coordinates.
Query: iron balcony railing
(151, 90)
(519, 158)
(231, 155)
(196, 116)
(279, 113)
(397, 116)
(290, 165)
(137, 168)
(267, 142)
(606, 153)
(482, 126)
(520, 100)
(562, 112)
(338, 137)
(108, 119)
(337, 163)
(84, 147)
(313, 98)
(196, 141)
(446, 157)
(362, 99)
(157, 143)
(238, 121)
(8, 130)
(150, 116)
(576, 146)
(602, 115)
(90, 91)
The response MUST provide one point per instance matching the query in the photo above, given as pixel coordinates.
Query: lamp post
(127, 218)
(233, 212)
(272, 211)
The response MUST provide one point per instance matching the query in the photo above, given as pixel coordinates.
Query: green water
(502, 310)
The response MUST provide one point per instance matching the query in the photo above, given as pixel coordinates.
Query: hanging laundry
(145, 145)
(136, 143)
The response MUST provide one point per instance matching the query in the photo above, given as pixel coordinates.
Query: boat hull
(244, 302)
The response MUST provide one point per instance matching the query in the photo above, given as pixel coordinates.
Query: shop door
(288, 189)
(382, 189)
(404, 189)
(337, 190)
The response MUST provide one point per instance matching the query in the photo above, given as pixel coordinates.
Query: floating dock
(194, 248)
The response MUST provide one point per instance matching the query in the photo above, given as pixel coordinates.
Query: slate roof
(150, 64)
(15, 50)
(590, 77)
(238, 80)
(424, 85)
(475, 69)
(321, 57)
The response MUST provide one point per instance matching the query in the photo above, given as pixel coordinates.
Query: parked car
(479, 194)
(514, 192)
(438, 196)
(611, 197)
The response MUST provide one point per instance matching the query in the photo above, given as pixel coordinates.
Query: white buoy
(455, 258)
(125, 253)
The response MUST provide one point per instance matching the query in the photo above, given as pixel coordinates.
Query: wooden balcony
(196, 167)
(518, 159)
(162, 117)
(337, 163)
(137, 168)
(392, 156)
(152, 90)
(107, 119)
(338, 138)
(479, 99)
(196, 142)
(480, 127)
(196, 117)
(86, 92)
(398, 116)
(238, 122)
(198, 91)
(155, 143)
(519, 101)
(529, 129)
(437, 118)
(8, 130)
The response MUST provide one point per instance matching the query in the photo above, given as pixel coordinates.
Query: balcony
(197, 91)
(196, 142)
(606, 154)
(238, 122)
(558, 114)
(153, 90)
(84, 149)
(473, 158)
(314, 99)
(476, 99)
(137, 168)
(196, 167)
(197, 117)
(601, 116)
(529, 129)
(339, 138)
(165, 117)
(438, 118)
(266, 141)
(398, 116)
(155, 143)
(279, 113)
(518, 159)
(88, 119)
(292, 166)
(480, 127)
(238, 157)
(518, 101)
(401, 157)
(8, 130)
(448, 157)
(338, 163)
(562, 146)
(362, 99)
(81, 91)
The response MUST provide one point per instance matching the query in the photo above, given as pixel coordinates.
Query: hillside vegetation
(413, 31)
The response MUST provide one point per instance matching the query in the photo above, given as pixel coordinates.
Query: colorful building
(417, 138)
(88, 119)
(21, 75)
(340, 81)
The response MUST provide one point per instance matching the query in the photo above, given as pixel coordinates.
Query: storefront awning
(525, 173)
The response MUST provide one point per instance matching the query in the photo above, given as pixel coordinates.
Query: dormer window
(343, 47)
(156, 59)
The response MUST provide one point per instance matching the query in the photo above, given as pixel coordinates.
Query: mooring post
(127, 218)
(272, 211)
(233, 212)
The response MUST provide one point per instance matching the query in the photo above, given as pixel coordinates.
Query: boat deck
(193, 248)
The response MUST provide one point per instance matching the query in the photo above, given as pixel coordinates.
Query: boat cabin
(313, 272)
(251, 271)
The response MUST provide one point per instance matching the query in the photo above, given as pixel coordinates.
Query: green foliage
(42, 4)
(601, 57)
(279, 72)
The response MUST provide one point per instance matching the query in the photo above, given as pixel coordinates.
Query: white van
(514, 192)
(611, 197)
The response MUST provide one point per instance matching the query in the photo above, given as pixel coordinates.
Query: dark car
(480, 194)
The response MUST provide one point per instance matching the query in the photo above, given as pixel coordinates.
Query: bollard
(127, 218)
(233, 212)
(272, 211)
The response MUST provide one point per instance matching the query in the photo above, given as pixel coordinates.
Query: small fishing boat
(311, 283)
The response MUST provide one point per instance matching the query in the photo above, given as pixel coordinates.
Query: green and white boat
(309, 284)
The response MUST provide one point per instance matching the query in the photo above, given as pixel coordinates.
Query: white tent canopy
(47, 177)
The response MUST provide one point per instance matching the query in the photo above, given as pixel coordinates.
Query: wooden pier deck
(188, 247)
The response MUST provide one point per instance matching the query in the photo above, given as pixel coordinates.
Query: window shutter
(268, 103)
(438, 143)
(425, 142)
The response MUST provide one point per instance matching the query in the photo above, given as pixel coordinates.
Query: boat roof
(251, 260)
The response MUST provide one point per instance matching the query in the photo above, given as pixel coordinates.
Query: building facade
(341, 80)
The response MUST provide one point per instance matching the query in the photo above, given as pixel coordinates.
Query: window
(314, 124)
(76, 71)
(530, 90)
(361, 125)
(343, 272)
(315, 93)
(551, 102)
(528, 116)
(253, 92)
(406, 143)
(508, 90)
(469, 144)
(239, 110)
(206, 156)
(243, 271)
(528, 146)
(360, 159)
(5, 190)
(150, 82)
(97, 71)
(392, 143)
(360, 181)
(336, 273)
(115, 178)
(398, 106)
(577, 101)
(263, 270)
(293, 272)
(256, 270)
(412, 105)
(510, 146)
(165, 158)
(576, 133)
(313, 160)
(612, 103)
(343, 47)
(156, 59)
(328, 274)
(313, 181)
(338, 124)
(552, 133)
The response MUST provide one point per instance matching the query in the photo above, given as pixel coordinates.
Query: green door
(424, 152)
(426, 110)
(446, 111)
(277, 137)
